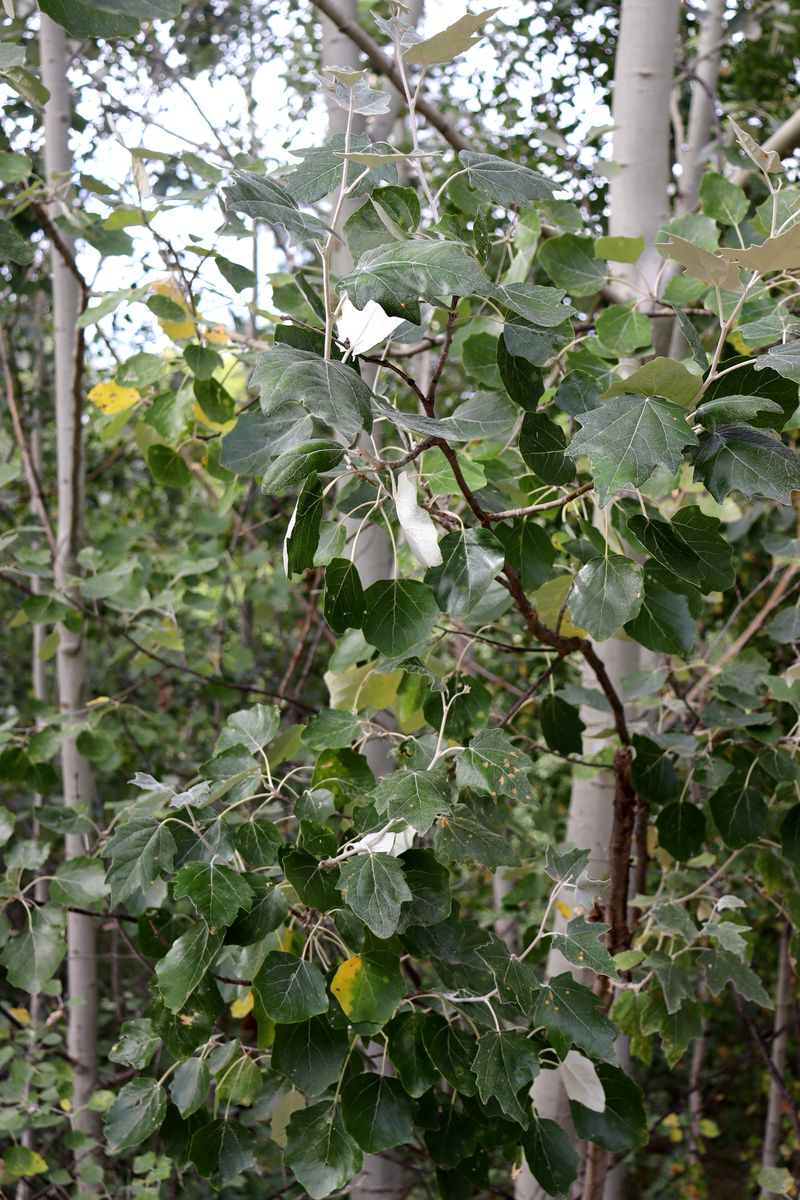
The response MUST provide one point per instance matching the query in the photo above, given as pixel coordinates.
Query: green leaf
(582, 946)
(722, 200)
(369, 986)
(297, 463)
(13, 247)
(505, 182)
(35, 954)
(470, 561)
(562, 727)
(754, 462)
(136, 1045)
(700, 533)
(551, 1157)
(327, 389)
(315, 885)
(167, 466)
(221, 1150)
(238, 1080)
(376, 1112)
(137, 1112)
(571, 1013)
(399, 275)
(430, 885)
(606, 593)
(570, 262)
(250, 727)
(542, 306)
(622, 329)
(619, 249)
(660, 377)
(265, 200)
(374, 886)
(451, 1051)
(321, 1154)
(80, 882)
(722, 967)
(256, 440)
(183, 967)
(332, 729)
(344, 604)
(190, 1086)
(542, 444)
(408, 1054)
(628, 437)
(504, 1065)
(529, 551)
(734, 408)
(417, 797)
(653, 774)
(139, 851)
(666, 546)
(321, 170)
(310, 1053)
(270, 910)
(739, 811)
(681, 830)
(664, 623)
(234, 273)
(444, 46)
(288, 989)
(216, 891)
(19, 1163)
(492, 764)
(202, 361)
(302, 534)
(462, 838)
(623, 1123)
(399, 615)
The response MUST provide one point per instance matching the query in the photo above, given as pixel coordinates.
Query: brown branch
(387, 67)
(38, 502)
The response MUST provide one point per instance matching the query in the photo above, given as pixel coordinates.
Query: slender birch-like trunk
(701, 109)
(770, 1155)
(639, 206)
(78, 781)
(380, 1178)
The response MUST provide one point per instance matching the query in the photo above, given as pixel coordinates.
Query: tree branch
(383, 63)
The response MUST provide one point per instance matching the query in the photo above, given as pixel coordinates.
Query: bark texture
(693, 155)
(78, 781)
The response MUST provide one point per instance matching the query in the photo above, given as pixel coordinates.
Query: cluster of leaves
(316, 992)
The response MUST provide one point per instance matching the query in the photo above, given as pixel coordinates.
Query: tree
(457, 358)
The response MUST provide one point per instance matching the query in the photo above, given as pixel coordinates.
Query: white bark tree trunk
(701, 109)
(78, 781)
(639, 206)
(380, 1178)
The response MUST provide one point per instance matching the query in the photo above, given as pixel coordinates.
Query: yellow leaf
(217, 335)
(111, 398)
(346, 980)
(549, 601)
(564, 909)
(216, 426)
(21, 1015)
(243, 1006)
(65, 1105)
(176, 330)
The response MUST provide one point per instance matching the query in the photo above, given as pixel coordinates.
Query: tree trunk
(78, 782)
(589, 827)
(380, 1178)
(770, 1155)
(639, 189)
(702, 115)
(639, 206)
